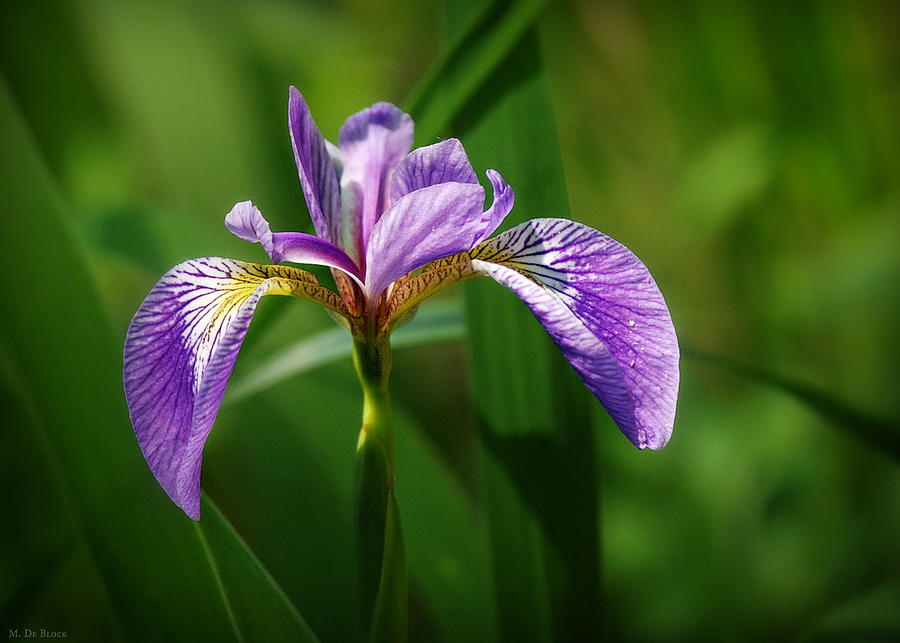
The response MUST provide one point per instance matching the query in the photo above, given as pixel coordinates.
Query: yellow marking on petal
(280, 280)
(287, 280)
(434, 277)
(441, 273)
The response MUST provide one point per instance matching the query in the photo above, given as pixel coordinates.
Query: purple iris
(395, 227)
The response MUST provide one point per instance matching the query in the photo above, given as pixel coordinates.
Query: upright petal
(247, 222)
(424, 225)
(442, 162)
(602, 308)
(318, 177)
(372, 144)
(504, 197)
(179, 353)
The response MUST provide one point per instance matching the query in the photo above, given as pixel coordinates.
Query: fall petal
(601, 306)
(179, 353)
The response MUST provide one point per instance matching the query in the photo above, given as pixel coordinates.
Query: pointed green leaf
(150, 560)
(487, 34)
(879, 433)
(438, 322)
(541, 483)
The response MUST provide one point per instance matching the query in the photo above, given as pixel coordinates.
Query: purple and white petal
(504, 197)
(373, 142)
(602, 308)
(424, 225)
(314, 165)
(179, 353)
(337, 159)
(247, 222)
(442, 162)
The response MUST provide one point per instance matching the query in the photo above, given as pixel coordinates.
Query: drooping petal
(424, 225)
(603, 309)
(372, 142)
(504, 197)
(442, 162)
(318, 177)
(179, 353)
(247, 222)
(596, 300)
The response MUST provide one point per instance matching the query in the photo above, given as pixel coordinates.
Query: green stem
(381, 562)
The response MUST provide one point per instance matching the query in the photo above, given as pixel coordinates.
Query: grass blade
(488, 34)
(440, 322)
(881, 434)
(67, 366)
(540, 474)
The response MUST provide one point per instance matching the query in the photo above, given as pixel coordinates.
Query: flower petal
(504, 197)
(373, 142)
(424, 225)
(439, 163)
(180, 350)
(602, 308)
(247, 222)
(318, 177)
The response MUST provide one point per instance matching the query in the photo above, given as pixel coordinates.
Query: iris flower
(395, 226)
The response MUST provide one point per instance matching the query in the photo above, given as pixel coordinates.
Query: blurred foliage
(746, 151)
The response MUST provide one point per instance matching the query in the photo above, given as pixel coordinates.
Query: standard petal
(318, 177)
(424, 225)
(180, 350)
(373, 142)
(442, 162)
(337, 159)
(602, 308)
(247, 222)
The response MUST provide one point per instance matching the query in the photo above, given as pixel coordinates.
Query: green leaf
(487, 35)
(438, 322)
(391, 620)
(161, 579)
(880, 434)
(260, 609)
(541, 484)
(302, 433)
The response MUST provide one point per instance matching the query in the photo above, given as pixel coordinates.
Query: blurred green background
(746, 151)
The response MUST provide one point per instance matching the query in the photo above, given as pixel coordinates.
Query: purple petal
(317, 173)
(373, 142)
(442, 162)
(337, 159)
(424, 225)
(504, 197)
(179, 352)
(247, 222)
(602, 308)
